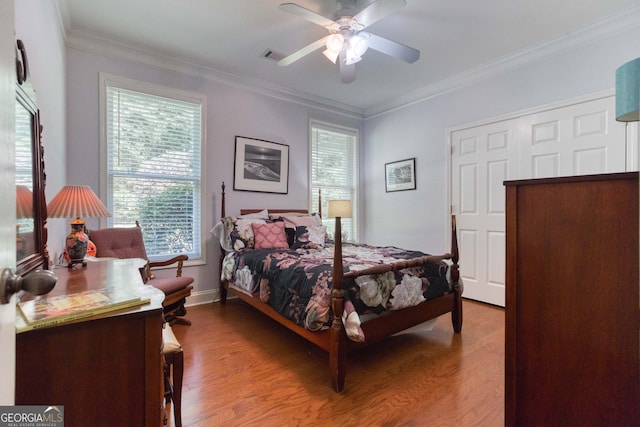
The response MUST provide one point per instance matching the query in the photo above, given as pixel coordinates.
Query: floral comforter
(297, 283)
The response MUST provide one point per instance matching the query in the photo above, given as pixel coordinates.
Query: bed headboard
(274, 211)
(271, 211)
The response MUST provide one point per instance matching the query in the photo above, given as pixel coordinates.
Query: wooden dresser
(106, 370)
(572, 354)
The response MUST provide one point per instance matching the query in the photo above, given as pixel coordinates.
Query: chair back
(119, 242)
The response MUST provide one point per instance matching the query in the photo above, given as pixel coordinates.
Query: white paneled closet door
(577, 139)
(483, 157)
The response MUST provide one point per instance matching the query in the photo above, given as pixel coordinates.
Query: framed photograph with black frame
(400, 175)
(261, 166)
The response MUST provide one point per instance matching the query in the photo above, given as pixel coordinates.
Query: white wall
(37, 25)
(231, 111)
(7, 181)
(71, 134)
(420, 130)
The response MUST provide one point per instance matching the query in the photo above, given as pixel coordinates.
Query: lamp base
(73, 262)
(76, 244)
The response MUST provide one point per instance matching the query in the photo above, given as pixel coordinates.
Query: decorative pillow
(307, 220)
(291, 235)
(295, 219)
(263, 214)
(222, 232)
(317, 217)
(284, 214)
(241, 235)
(311, 237)
(270, 236)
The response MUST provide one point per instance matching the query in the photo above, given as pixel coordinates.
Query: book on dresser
(49, 311)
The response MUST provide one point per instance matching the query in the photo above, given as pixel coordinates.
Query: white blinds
(154, 157)
(334, 171)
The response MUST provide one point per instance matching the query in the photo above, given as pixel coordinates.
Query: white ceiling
(456, 38)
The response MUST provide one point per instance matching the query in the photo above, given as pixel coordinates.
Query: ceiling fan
(347, 42)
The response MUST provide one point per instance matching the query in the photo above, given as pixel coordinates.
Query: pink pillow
(270, 236)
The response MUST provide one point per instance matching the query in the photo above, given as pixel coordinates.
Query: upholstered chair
(127, 242)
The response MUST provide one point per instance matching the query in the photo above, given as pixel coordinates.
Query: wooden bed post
(335, 340)
(456, 313)
(222, 289)
(338, 339)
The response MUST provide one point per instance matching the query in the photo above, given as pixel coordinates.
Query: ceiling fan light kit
(347, 41)
(334, 46)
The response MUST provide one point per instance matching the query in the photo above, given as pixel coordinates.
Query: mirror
(31, 209)
(25, 237)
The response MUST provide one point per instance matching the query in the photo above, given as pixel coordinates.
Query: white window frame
(353, 223)
(108, 80)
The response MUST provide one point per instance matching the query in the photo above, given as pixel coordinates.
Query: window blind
(334, 172)
(153, 151)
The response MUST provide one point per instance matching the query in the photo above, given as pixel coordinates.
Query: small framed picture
(400, 175)
(261, 166)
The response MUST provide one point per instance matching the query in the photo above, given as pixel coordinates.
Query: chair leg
(181, 321)
(168, 387)
(178, 369)
(172, 319)
(173, 314)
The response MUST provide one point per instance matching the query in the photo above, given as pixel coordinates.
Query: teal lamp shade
(628, 92)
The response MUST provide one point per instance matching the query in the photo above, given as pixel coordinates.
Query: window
(152, 159)
(334, 172)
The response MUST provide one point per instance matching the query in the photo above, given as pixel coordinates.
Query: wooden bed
(334, 340)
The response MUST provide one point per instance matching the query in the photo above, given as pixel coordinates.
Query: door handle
(36, 283)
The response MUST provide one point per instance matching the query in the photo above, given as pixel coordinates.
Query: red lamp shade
(77, 201)
(24, 202)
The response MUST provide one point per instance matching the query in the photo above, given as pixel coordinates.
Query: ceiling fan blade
(391, 48)
(287, 60)
(378, 10)
(347, 72)
(309, 15)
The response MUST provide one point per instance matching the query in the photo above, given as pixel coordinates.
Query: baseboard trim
(202, 297)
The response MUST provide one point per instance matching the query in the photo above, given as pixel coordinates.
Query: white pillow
(317, 234)
(285, 214)
(263, 214)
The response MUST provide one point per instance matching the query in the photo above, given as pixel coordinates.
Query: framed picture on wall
(400, 175)
(261, 166)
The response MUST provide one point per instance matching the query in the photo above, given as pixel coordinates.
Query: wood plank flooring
(243, 369)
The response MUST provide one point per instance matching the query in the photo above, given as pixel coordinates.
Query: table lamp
(339, 209)
(628, 92)
(77, 201)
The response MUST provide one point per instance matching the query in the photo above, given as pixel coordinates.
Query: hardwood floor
(243, 369)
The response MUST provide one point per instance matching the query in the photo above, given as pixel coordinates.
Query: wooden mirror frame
(25, 95)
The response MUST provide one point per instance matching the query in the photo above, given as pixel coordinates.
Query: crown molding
(597, 31)
(99, 44)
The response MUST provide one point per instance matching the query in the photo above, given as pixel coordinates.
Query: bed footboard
(222, 286)
(456, 312)
(335, 341)
(390, 324)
